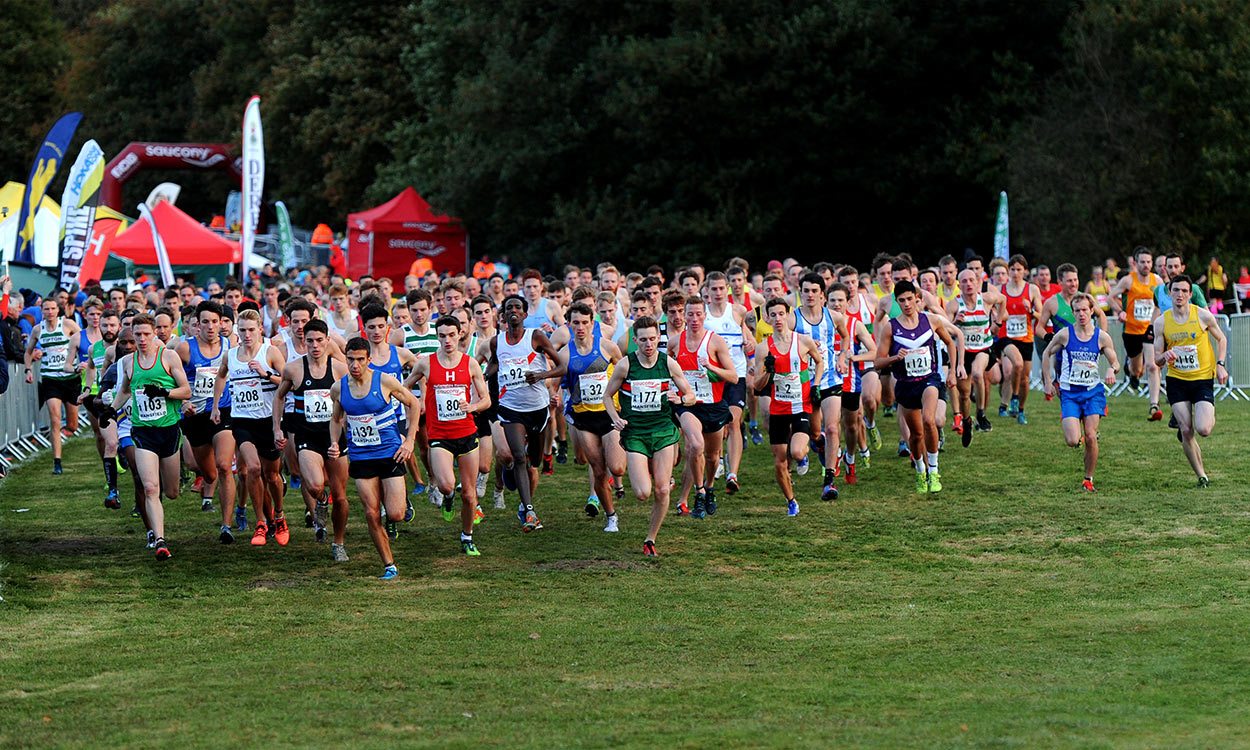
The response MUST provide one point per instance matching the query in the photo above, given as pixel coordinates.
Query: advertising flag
(47, 161)
(253, 178)
(162, 254)
(78, 211)
(1002, 239)
(102, 234)
(286, 239)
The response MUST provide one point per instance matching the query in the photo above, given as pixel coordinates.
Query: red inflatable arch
(139, 156)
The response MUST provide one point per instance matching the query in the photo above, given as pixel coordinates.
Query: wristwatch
(1220, 362)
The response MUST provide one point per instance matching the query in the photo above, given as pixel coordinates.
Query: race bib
(512, 372)
(205, 380)
(449, 402)
(1143, 309)
(317, 405)
(701, 384)
(246, 392)
(149, 409)
(362, 430)
(976, 340)
(1017, 326)
(645, 396)
(918, 363)
(54, 358)
(788, 387)
(591, 386)
(1083, 373)
(1186, 358)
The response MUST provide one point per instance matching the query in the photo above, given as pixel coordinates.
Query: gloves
(107, 414)
(152, 390)
(817, 396)
(770, 363)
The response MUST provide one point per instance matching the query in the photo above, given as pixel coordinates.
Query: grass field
(1011, 610)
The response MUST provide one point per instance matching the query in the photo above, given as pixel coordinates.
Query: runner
(363, 399)
(793, 371)
(1024, 304)
(829, 330)
(1082, 398)
(455, 392)
(648, 383)
(1137, 313)
(863, 349)
(909, 346)
(729, 322)
(155, 376)
(342, 318)
(976, 313)
(54, 345)
(524, 400)
(1186, 332)
(108, 325)
(861, 306)
(419, 338)
(309, 379)
(948, 270)
(396, 362)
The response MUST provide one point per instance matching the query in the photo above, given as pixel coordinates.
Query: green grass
(1011, 610)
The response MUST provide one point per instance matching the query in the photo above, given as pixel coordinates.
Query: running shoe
(850, 474)
(1156, 413)
(731, 484)
(481, 485)
(874, 434)
(111, 501)
(1133, 382)
(983, 424)
(865, 458)
(418, 489)
(548, 467)
(830, 492)
(903, 450)
(592, 506)
(531, 522)
(296, 481)
(1002, 410)
(206, 505)
(802, 467)
(281, 532)
(562, 454)
(889, 411)
(436, 496)
(958, 426)
(922, 483)
(1014, 409)
(469, 548)
(1172, 423)
(151, 544)
(965, 435)
(225, 537)
(392, 529)
(941, 439)
(1021, 418)
(321, 512)
(683, 509)
(122, 466)
(240, 519)
(309, 521)
(338, 552)
(319, 533)
(134, 512)
(162, 550)
(935, 481)
(1203, 482)
(199, 484)
(700, 507)
(837, 463)
(56, 466)
(520, 513)
(792, 508)
(478, 515)
(756, 437)
(648, 548)
(500, 503)
(1088, 485)
(449, 508)
(509, 477)
(720, 468)
(611, 526)
(261, 536)
(389, 572)
(709, 502)
(619, 490)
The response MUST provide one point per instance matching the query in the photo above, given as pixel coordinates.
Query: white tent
(47, 226)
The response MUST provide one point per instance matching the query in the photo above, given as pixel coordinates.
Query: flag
(47, 162)
(162, 254)
(233, 219)
(1002, 240)
(78, 211)
(253, 178)
(102, 234)
(286, 240)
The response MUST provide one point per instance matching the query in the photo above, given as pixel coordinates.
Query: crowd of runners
(465, 388)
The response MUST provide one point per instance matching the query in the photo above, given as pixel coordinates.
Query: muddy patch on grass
(84, 545)
(558, 566)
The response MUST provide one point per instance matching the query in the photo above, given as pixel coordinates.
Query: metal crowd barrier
(22, 422)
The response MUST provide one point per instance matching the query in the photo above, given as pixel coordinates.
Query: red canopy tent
(188, 242)
(386, 240)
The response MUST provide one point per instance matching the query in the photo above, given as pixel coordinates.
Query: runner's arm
(479, 387)
(615, 381)
(542, 345)
(1221, 341)
(336, 420)
(679, 379)
(1107, 345)
(182, 389)
(219, 386)
(284, 386)
(391, 387)
(883, 345)
(1057, 342)
(813, 351)
(748, 337)
(123, 383)
(720, 352)
(1044, 316)
(869, 344)
(1163, 352)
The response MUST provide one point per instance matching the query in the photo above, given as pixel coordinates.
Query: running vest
(792, 380)
(419, 343)
(975, 324)
(288, 404)
(251, 393)
(446, 396)
(1139, 305)
(588, 374)
(825, 334)
(1078, 362)
(313, 407)
(56, 355)
(372, 431)
(539, 318)
(1195, 359)
(515, 360)
(84, 345)
(1101, 293)
(1063, 311)
(728, 327)
(866, 319)
(921, 360)
(392, 367)
(946, 296)
(152, 412)
(763, 329)
(708, 387)
(99, 350)
(644, 396)
(1019, 323)
(348, 331)
(202, 373)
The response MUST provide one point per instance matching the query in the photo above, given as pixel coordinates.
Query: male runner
(1137, 313)
(975, 313)
(419, 338)
(863, 349)
(54, 345)
(109, 324)
(829, 329)
(729, 322)
(1024, 304)
(861, 306)
(1082, 398)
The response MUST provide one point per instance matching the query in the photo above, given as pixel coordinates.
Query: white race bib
(1083, 373)
(591, 386)
(54, 358)
(149, 409)
(702, 385)
(246, 392)
(918, 363)
(645, 395)
(1143, 309)
(788, 387)
(1186, 358)
(1017, 326)
(976, 340)
(317, 405)
(362, 430)
(449, 402)
(205, 380)
(512, 372)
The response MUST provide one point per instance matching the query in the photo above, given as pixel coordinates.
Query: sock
(828, 476)
(1089, 479)
(207, 499)
(864, 452)
(850, 458)
(110, 473)
(980, 413)
(933, 461)
(919, 465)
(871, 424)
(466, 537)
(612, 514)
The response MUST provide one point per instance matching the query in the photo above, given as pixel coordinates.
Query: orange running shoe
(850, 474)
(959, 424)
(281, 532)
(1088, 485)
(478, 515)
(259, 537)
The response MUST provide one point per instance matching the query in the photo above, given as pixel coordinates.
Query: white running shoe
(611, 527)
(436, 497)
(720, 468)
(339, 552)
(500, 503)
(481, 485)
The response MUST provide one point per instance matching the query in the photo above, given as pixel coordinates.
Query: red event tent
(386, 240)
(188, 242)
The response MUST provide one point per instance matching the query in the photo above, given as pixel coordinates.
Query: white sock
(933, 461)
